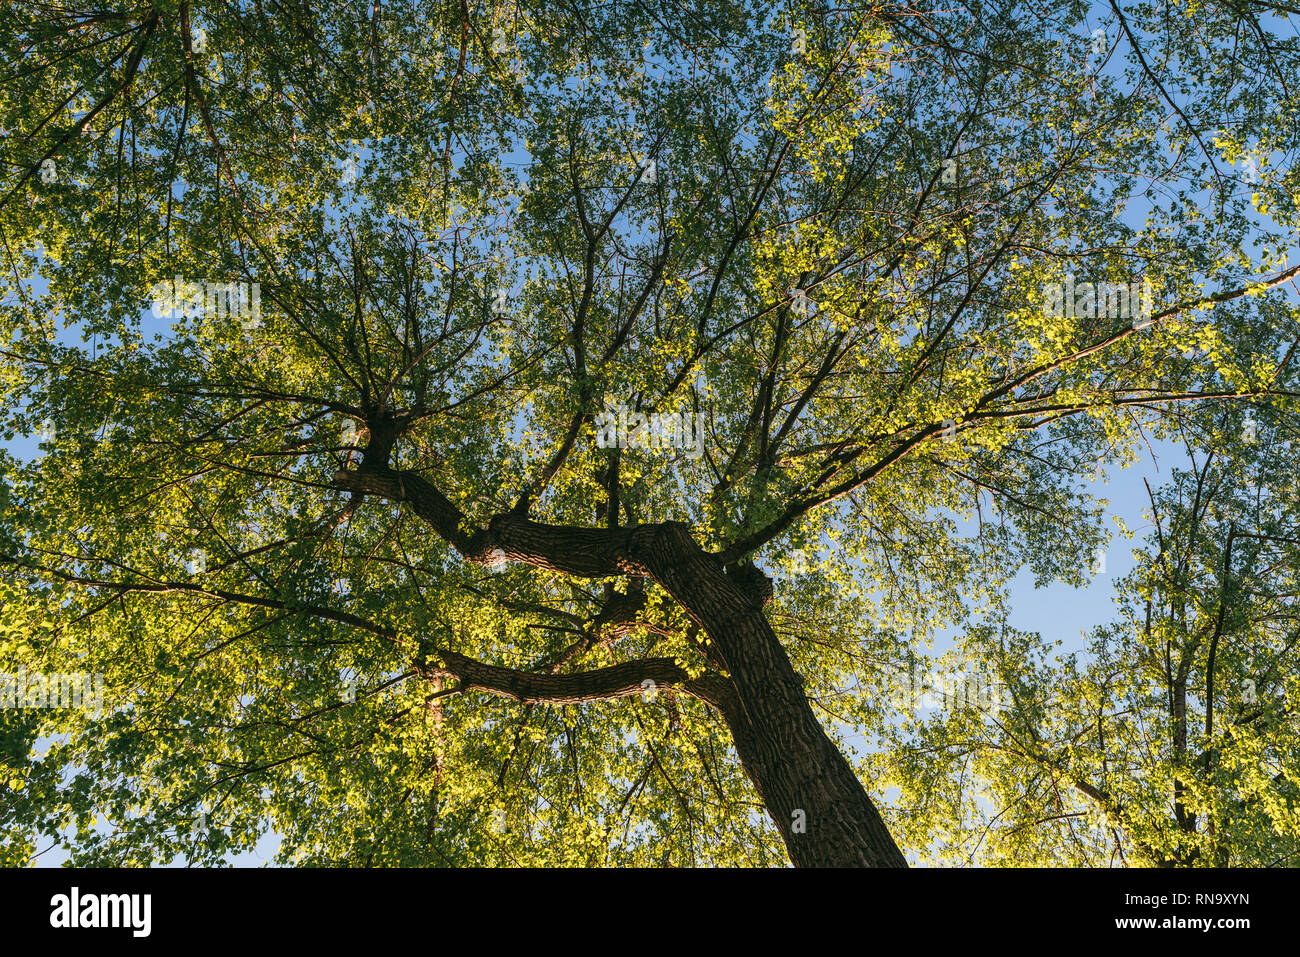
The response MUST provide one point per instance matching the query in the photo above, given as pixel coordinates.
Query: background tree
(1172, 740)
(362, 572)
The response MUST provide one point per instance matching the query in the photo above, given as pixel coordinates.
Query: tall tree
(397, 566)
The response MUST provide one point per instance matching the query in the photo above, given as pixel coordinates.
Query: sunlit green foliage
(381, 174)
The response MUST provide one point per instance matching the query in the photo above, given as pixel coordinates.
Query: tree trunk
(819, 805)
(817, 802)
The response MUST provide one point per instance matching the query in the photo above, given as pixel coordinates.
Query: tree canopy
(519, 433)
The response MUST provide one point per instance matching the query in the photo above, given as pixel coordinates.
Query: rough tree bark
(818, 804)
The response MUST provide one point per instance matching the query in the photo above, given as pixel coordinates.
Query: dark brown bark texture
(817, 802)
